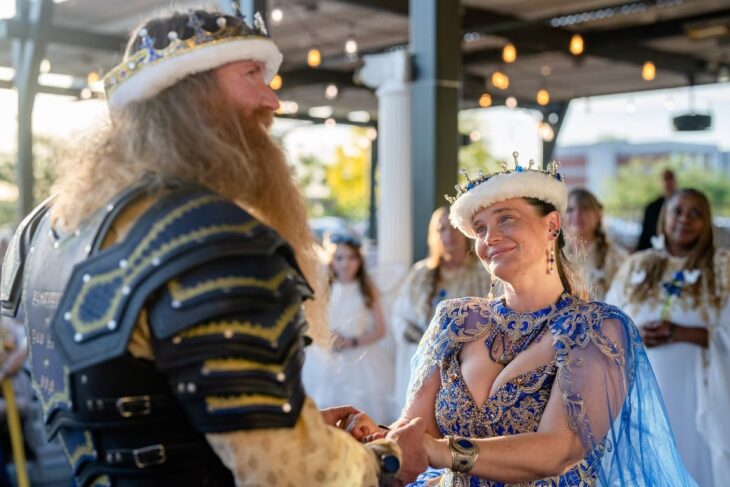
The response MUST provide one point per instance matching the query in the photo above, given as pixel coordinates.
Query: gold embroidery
(182, 294)
(139, 261)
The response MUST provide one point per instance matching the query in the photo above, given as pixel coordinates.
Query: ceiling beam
(15, 29)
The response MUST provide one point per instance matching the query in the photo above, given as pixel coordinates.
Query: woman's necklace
(516, 331)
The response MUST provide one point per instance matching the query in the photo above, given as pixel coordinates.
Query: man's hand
(410, 438)
(333, 416)
(656, 333)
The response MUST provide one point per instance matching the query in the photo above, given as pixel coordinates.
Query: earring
(551, 259)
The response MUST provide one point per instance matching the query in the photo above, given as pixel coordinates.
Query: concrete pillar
(389, 75)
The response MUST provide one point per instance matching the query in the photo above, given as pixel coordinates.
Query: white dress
(694, 382)
(360, 376)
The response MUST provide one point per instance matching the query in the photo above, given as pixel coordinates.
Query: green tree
(638, 183)
(47, 154)
(474, 156)
(348, 179)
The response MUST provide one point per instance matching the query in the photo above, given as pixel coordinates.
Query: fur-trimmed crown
(517, 182)
(149, 69)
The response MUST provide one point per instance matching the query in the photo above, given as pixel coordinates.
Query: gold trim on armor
(182, 293)
(136, 263)
(218, 403)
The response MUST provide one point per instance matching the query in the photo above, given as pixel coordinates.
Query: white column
(389, 74)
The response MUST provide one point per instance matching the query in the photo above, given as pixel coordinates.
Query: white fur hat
(521, 182)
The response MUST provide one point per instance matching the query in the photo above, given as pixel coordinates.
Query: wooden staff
(16, 432)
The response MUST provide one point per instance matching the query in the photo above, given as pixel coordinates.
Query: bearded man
(163, 284)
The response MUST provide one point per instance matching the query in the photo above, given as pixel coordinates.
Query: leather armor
(220, 294)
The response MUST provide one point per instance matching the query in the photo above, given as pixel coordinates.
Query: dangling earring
(551, 260)
(490, 296)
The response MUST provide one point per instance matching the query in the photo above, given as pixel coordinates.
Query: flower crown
(148, 71)
(518, 182)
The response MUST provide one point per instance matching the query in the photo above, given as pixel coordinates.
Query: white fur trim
(500, 187)
(156, 77)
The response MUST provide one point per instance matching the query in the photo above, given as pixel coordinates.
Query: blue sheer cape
(610, 396)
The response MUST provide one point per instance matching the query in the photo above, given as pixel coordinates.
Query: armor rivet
(126, 290)
(228, 334)
(156, 261)
(123, 264)
(84, 379)
(281, 376)
(86, 278)
(181, 387)
(176, 304)
(67, 316)
(109, 458)
(112, 325)
(87, 249)
(90, 405)
(110, 207)
(177, 340)
(192, 388)
(118, 457)
(99, 404)
(286, 407)
(78, 337)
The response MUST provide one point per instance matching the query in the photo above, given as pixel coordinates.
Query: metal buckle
(149, 456)
(134, 406)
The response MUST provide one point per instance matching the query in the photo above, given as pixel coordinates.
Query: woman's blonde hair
(586, 200)
(191, 132)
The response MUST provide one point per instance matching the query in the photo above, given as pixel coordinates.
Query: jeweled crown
(532, 166)
(227, 28)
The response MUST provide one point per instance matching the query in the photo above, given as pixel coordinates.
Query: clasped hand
(656, 333)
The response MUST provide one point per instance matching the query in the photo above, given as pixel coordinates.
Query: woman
(678, 293)
(449, 271)
(538, 387)
(358, 371)
(598, 258)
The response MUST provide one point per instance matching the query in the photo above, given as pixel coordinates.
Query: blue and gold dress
(598, 365)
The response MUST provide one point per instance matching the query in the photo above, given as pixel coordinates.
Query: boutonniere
(674, 287)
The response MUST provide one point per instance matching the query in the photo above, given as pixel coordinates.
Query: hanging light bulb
(314, 57)
(543, 97)
(331, 91)
(509, 53)
(511, 102)
(648, 71)
(500, 80)
(576, 45)
(92, 77)
(276, 82)
(277, 15)
(351, 46)
(45, 66)
(485, 100)
(546, 132)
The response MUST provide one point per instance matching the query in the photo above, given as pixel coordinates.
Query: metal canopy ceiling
(687, 40)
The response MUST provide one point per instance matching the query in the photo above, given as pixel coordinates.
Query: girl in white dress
(677, 293)
(357, 370)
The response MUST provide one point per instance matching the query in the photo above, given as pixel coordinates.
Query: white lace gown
(360, 376)
(695, 382)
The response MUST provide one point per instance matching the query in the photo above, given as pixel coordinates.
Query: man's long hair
(190, 132)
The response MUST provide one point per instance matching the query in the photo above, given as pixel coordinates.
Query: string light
(45, 66)
(276, 82)
(331, 91)
(314, 57)
(277, 15)
(648, 71)
(543, 97)
(509, 53)
(576, 45)
(351, 46)
(546, 132)
(511, 102)
(485, 100)
(500, 80)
